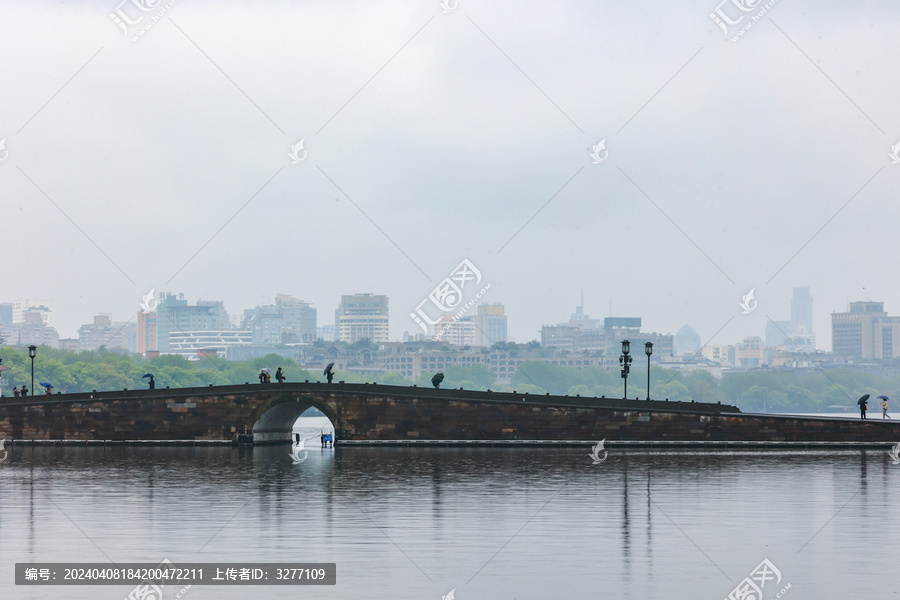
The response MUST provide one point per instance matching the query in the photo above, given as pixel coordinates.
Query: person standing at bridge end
(152, 383)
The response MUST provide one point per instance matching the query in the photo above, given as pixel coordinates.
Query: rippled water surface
(491, 523)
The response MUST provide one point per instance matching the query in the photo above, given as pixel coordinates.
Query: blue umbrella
(146, 375)
(46, 384)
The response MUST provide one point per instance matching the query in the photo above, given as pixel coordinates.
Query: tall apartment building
(104, 332)
(21, 308)
(6, 313)
(456, 332)
(288, 321)
(490, 325)
(173, 314)
(801, 311)
(33, 329)
(361, 316)
(866, 331)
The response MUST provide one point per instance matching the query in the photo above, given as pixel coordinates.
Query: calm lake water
(491, 523)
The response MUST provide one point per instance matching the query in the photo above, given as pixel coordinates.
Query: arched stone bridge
(380, 412)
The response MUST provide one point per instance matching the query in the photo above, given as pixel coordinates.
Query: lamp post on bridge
(648, 348)
(32, 352)
(625, 360)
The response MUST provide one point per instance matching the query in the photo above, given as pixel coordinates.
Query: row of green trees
(787, 391)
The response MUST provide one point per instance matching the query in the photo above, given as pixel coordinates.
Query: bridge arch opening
(280, 421)
(311, 425)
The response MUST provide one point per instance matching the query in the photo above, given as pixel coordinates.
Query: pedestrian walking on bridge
(863, 407)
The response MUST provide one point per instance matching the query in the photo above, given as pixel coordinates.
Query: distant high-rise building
(22, 307)
(560, 336)
(570, 336)
(490, 325)
(801, 311)
(687, 341)
(34, 330)
(456, 332)
(146, 332)
(6, 313)
(777, 332)
(866, 331)
(173, 314)
(362, 316)
(288, 321)
(749, 353)
(106, 333)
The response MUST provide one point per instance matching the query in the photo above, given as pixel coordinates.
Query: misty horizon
(231, 152)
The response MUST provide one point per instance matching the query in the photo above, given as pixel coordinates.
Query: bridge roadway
(374, 413)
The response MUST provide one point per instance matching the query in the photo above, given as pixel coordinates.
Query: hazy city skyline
(629, 150)
(240, 314)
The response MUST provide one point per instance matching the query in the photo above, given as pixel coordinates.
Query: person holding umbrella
(152, 381)
(437, 379)
(863, 407)
(48, 387)
(884, 407)
(329, 374)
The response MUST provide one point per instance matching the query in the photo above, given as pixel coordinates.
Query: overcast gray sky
(436, 136)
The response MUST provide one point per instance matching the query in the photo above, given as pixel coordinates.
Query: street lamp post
(625, 360)
(32, 352)
(648, 348)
